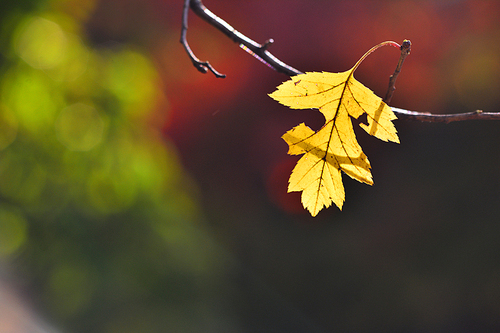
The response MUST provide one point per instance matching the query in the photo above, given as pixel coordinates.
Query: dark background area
(139, 195)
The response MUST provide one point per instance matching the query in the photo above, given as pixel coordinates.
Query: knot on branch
(266, 44)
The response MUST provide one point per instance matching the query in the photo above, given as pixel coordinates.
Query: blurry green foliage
(12, 230)
(95, 210)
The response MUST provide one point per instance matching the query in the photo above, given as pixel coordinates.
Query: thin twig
(260, 52)
(257, 50)
(202, 66)
(405, 51)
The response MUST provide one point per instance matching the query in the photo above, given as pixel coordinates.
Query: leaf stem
(373, 49)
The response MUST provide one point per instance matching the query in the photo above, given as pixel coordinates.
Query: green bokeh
(96, 213)
(13, 230)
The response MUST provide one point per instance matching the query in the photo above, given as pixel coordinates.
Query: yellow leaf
(334, 148)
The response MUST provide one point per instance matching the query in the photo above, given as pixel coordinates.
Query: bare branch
(260, 52)
(257, 50)
(202, 66)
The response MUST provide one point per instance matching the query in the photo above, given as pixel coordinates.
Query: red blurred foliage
(205, 113)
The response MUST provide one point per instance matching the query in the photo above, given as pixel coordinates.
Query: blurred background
(139, 195)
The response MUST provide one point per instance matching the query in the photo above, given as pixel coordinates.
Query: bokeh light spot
(110, 192)
(30, 95)
(71, 287)
(41, 43)
(13, 227)
(131, 78)
(79, 127)
(8, 127)
(73, 62)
